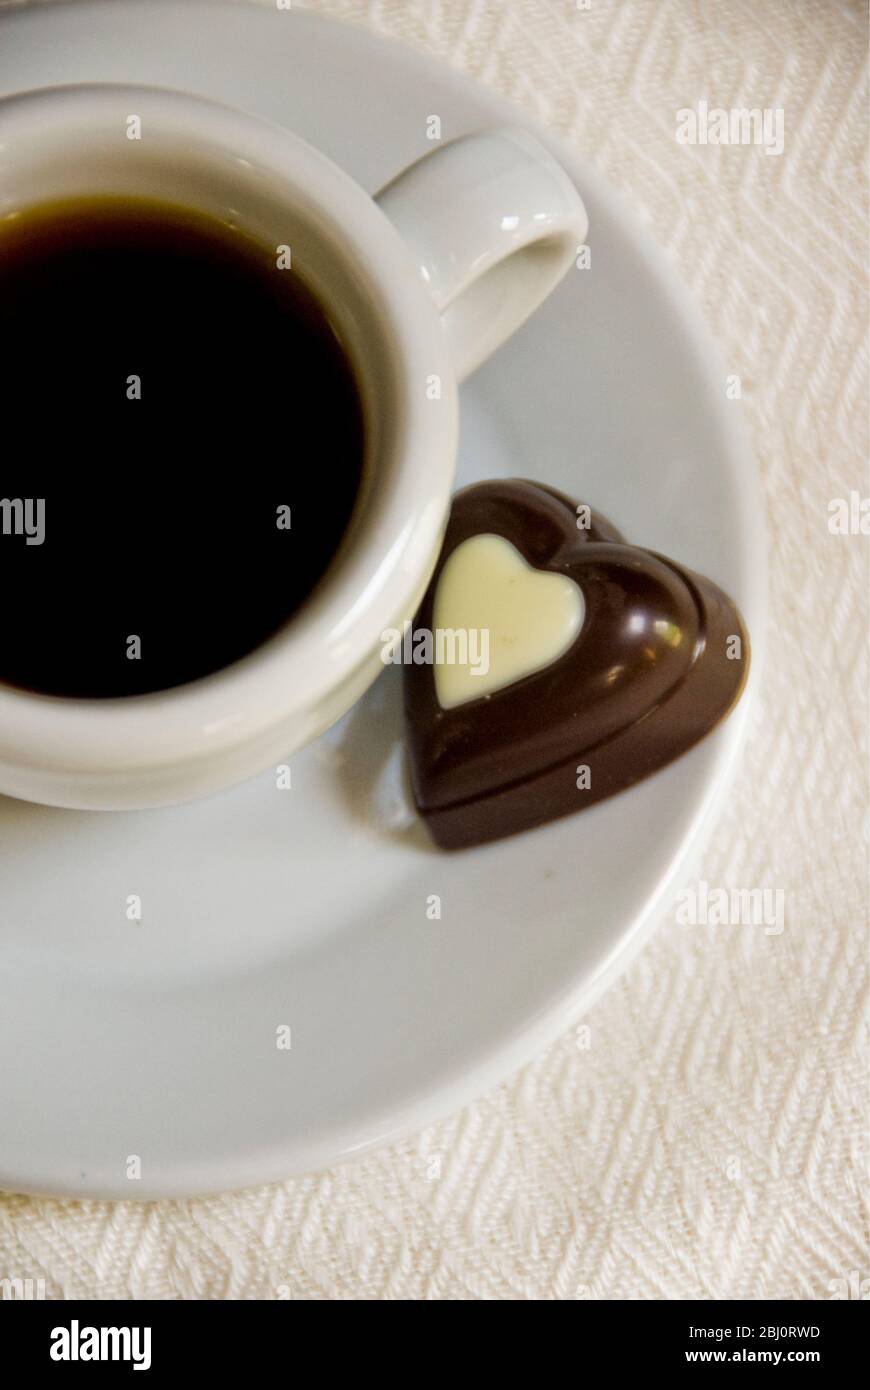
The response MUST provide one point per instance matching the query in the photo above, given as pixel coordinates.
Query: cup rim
(337, 628)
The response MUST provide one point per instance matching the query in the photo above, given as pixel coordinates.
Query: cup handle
(493, 222)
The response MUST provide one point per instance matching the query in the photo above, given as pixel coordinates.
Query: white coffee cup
(424, 283)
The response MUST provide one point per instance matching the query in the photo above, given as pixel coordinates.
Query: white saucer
(308, 907)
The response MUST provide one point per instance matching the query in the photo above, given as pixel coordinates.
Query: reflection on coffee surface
(190, 445)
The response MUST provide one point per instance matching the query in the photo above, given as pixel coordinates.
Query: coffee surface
(186, 415)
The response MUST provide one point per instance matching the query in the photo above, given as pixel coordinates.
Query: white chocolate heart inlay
(518, 620)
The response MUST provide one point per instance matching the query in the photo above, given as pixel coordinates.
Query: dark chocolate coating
(647, 677)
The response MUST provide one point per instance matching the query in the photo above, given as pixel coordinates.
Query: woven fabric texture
(709, 1142)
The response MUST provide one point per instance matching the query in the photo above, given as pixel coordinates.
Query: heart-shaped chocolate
(550, 708)
(531, 617)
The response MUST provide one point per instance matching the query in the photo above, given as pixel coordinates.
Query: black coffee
(181, 413)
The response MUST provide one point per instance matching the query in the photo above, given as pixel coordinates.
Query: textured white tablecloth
(710, 1141)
